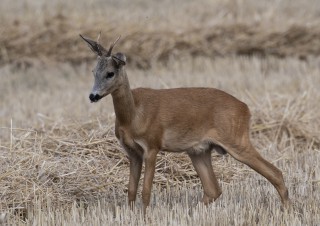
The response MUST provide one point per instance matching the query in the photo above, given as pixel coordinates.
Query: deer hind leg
(248, 155)
(203, 166)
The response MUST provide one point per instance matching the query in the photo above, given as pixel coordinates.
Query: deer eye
(110, 74)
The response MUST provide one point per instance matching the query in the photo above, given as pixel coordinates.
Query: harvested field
(60, 163)
(214, 29)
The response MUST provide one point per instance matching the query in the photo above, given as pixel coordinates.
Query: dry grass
(60, 163)
(66, 155)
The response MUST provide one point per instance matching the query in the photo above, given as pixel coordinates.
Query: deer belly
(175, 143)
(190, 148)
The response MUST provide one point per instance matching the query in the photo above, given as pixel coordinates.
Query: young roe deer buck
(191, 120)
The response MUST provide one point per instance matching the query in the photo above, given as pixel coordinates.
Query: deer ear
(94, 46)
(119, 58)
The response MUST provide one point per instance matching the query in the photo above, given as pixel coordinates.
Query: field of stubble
(60, 163)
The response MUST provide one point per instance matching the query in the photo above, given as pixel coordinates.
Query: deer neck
(123, 102)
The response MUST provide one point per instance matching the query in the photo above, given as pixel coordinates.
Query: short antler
(112, 45)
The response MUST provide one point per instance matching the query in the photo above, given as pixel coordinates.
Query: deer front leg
(150, 165)
(135, 173)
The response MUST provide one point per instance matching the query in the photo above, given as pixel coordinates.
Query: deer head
(108, 73)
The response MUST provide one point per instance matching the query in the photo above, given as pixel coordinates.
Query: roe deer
(191, 120)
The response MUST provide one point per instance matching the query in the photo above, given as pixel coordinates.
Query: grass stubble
(60, 163)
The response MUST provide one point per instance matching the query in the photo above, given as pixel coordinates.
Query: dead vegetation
(66, 161)
(59, 160)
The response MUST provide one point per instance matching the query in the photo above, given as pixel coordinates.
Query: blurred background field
(159, 31)
(60, 163)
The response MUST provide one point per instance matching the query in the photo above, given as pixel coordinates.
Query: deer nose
(94, 97)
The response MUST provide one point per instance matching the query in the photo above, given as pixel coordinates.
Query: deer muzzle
(94, 97)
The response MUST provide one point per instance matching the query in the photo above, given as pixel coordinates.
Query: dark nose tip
(91, 97)
(94, 97)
